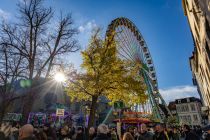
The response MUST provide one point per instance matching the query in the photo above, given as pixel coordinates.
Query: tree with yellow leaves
(105, 74)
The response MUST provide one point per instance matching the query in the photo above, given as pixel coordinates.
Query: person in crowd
(40, 135)
(169, 132)
(131, 130)
(128, 136)
(136, 133)
(182, 134)
(206, 134)
(176, 134)
(5, 131)
(160, 134)
(92, 133)
(102, 131)
(198, 131)
(26, 132)
(114, 135)
(50, 132)
(71, 131)
(64, 133)
(80, 134)
(189, 134)
(14, 131)
(144, 133)
(2, 136)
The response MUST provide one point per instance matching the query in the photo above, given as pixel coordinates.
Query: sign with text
(60, 112)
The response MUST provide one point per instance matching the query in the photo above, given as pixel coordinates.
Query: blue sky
(161, 22)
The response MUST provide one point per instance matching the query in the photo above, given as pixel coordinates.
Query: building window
(192, 106)
(179, 101)
(189, 118)
(182, 109)
(195, 117)
(186, 108)
(178, 108)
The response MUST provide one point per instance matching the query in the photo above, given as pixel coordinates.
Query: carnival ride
(132, 46)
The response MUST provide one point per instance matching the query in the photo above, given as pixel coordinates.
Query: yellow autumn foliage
(105, 74)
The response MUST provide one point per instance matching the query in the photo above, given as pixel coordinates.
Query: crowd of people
(14, 131)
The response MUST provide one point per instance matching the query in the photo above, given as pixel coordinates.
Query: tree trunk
(92, 111)
(2, 112)
(29, 99)
(27, 106)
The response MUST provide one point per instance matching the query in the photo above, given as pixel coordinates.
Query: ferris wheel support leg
(164, 103)
(156, 110)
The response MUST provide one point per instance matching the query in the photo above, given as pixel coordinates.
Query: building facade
(198, 15)
(189, 111)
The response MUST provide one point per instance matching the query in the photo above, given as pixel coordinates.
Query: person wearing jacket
(144, 133)
(190, 135)
(160, 134)
(102, 131)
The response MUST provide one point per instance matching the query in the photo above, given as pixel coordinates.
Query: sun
(59, 77)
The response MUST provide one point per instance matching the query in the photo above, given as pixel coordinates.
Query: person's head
(41, 136)
(46, 126)
(102, 129)
(26, 131)
(159, 128)
(169, 129)
(135, 130)
(175, 130)
(130, 129)
(186, 128)
(143, 128)
(91, 130)
(79, 130)
(64, 131)
(127, 136)
(66, 128)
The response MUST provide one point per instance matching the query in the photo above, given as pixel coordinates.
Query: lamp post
(60, 78)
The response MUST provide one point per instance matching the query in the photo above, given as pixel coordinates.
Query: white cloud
(172, 93)
(21, 1)
(85, 30)
(4, 15)
(81, 28)
(87, 27)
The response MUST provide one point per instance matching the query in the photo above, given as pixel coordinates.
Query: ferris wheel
(132, 46)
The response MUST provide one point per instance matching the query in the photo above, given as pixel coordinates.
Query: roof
(187, 100)
(133, 120)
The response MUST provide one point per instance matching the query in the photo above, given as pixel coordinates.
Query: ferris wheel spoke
(129, 44)
(123, 48)
(130, 41)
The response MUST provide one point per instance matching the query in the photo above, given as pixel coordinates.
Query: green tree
(104, 74)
